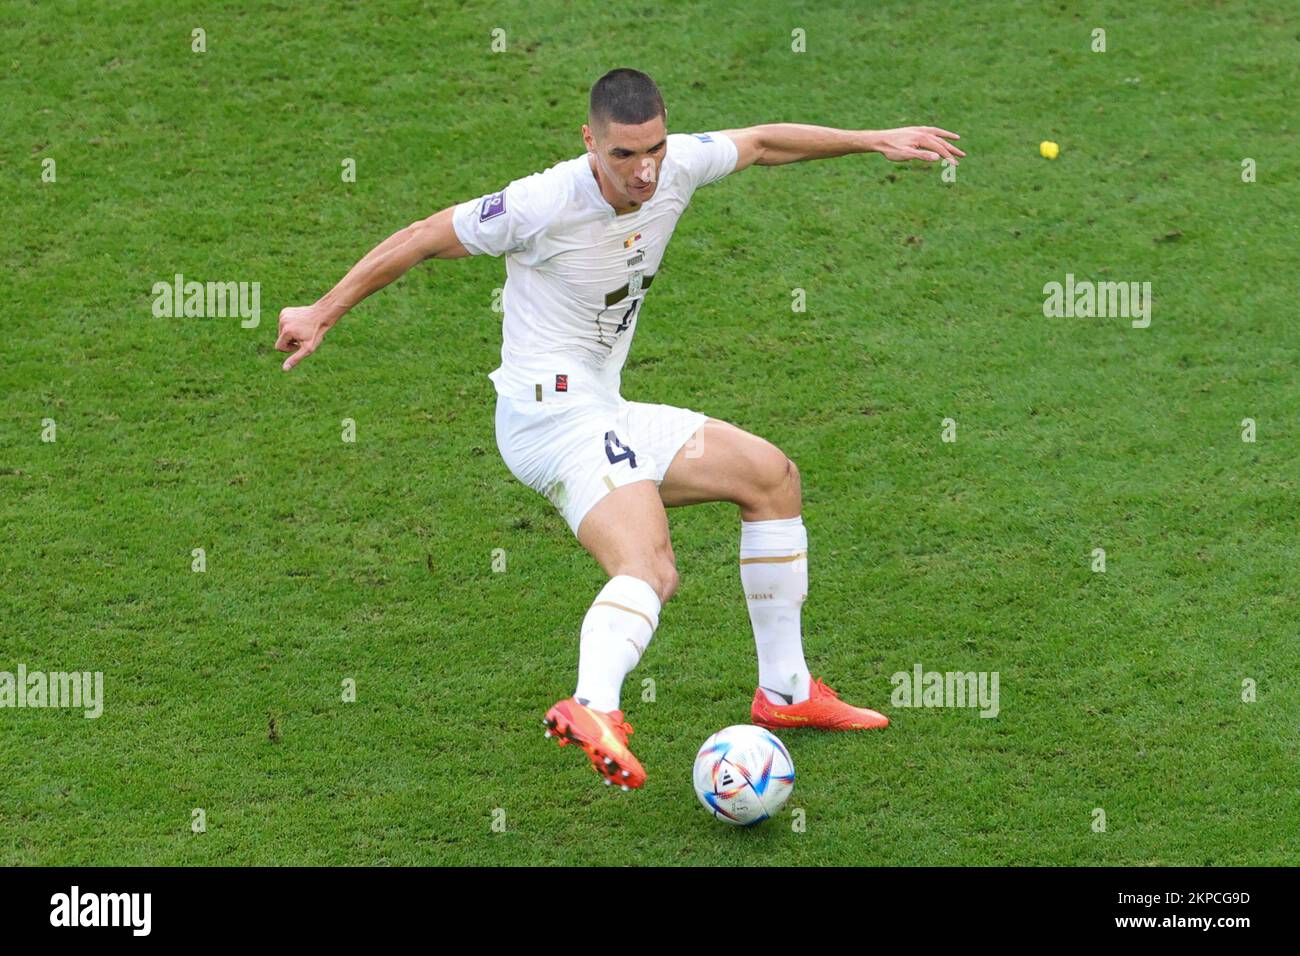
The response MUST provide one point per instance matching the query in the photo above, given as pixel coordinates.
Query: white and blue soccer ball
(743, 775)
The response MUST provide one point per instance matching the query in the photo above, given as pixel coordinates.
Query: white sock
(615, 633)
(774, 573)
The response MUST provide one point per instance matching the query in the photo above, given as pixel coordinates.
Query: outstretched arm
(775, 144)
(303, 327)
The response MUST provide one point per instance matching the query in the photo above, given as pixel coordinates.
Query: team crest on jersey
(493, 206)
(631, 240)
(561, 383)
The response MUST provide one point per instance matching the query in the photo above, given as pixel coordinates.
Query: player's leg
(577, 455)
(626, 531)
(726, 463)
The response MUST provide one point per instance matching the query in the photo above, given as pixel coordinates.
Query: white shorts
(576, 450)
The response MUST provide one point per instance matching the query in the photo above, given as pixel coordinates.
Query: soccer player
(583, 242)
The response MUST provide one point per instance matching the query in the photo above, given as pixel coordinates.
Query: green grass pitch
(373, 560)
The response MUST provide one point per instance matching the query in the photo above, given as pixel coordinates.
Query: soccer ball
(743, 775)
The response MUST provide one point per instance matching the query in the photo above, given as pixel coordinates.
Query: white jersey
(576, 272)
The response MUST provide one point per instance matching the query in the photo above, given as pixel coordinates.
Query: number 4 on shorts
(616, 451)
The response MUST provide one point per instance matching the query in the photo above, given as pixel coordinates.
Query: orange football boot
(823, 710)
(603, 735)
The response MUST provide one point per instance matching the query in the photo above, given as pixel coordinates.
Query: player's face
(629, 157)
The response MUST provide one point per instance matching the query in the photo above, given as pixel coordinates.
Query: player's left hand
(916, 142)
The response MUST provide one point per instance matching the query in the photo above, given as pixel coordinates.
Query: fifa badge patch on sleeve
(493, 205)
(561, 383)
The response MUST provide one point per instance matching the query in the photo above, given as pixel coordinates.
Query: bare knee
(659, 571)
(667, 581)
(793, 482)
(627, 532)
(776, 490)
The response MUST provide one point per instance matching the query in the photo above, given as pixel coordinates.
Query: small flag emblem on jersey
(703, 137)
(561, 383)
(493, 205)
(627, 243)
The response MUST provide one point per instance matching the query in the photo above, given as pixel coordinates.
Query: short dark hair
(624, 96)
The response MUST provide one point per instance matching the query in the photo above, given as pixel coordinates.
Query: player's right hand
(301, 329)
